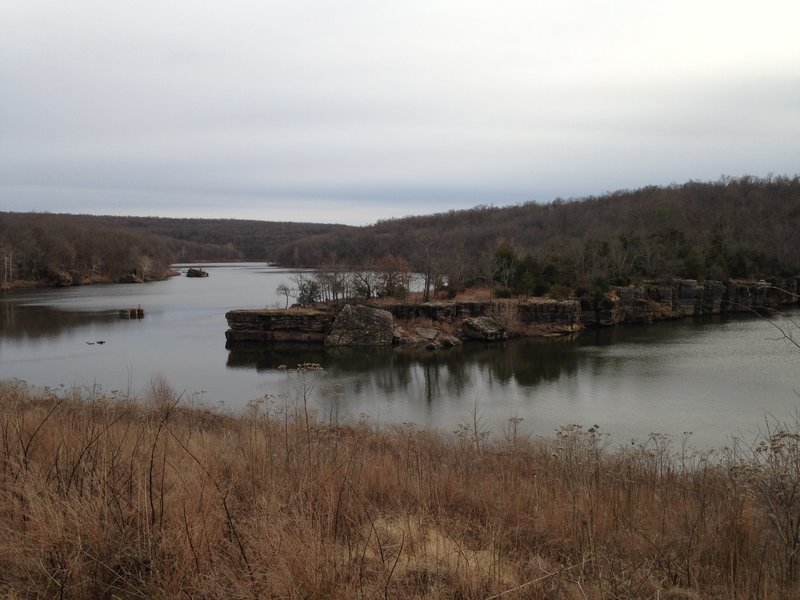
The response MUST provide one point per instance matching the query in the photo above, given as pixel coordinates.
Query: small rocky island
(448, 323)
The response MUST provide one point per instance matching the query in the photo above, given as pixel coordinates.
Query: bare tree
(394, 276)
(308, 289)
(284, 290)
(429, 261)
(365, 282)
(504, 264)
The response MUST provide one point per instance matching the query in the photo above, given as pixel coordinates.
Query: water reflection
(385, 370)
(525, 363)
(23, 322)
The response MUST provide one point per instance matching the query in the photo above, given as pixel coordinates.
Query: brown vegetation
(45, 249)
(63, 249)
(106, 497)
(729, 229)
(732, 228)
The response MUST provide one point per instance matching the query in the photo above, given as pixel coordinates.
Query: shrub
(560, 292)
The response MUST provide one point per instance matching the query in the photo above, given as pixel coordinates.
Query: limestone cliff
(657, 301)
(279, 325)
(382, 324)
(396, 323)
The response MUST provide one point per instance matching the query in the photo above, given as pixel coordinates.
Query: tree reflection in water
(428, 374)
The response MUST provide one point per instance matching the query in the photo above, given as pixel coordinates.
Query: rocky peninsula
(447, 323)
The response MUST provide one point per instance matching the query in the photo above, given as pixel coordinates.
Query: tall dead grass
(106, 497)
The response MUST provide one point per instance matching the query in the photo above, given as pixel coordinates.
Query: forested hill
(732, 228)
(59, 248)
(201, 240)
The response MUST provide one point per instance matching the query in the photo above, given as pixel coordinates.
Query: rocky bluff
(658, 301)
(434, 324)
(446, 323)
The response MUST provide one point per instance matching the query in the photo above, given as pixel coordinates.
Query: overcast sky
(353, 111)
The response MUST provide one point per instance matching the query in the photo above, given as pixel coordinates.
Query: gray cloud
(355, 111)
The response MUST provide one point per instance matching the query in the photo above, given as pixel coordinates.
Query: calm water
(714, 377)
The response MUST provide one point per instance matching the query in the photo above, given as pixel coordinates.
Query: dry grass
(103, 497)
(473, 293)
(506, 313)
(450, 328)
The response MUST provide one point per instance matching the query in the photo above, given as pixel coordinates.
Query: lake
(715, 377)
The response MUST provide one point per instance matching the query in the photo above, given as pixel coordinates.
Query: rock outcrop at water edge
(357, 325)
(659, 301)
(445, 323)
(433, 324)
(484, 328)
(431, 337)
(279, 325)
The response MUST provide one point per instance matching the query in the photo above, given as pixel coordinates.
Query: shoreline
(23, 284)
(445, 323)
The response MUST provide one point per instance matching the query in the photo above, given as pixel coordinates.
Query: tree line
(391, 276)
(71, 250)
(731, 228)
(64, 248)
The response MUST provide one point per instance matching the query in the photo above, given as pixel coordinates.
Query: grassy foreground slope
(105, 497)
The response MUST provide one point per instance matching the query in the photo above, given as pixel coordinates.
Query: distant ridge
(734, 227)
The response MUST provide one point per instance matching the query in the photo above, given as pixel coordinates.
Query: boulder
(431, 337)
(400, 335)
(484, 328)
(361, 326)
(130, 278)
(427, 333)
(63, 279)
(447, 341)
(194, 272)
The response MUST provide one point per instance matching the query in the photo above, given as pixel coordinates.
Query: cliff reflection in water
(418, 372)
